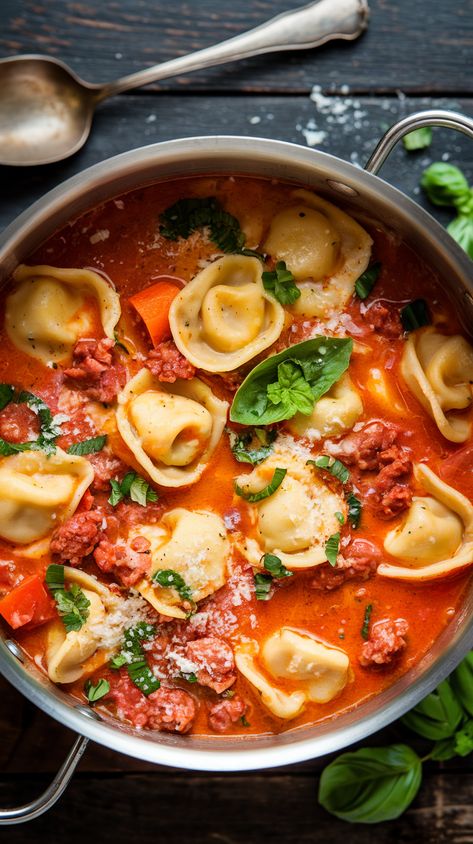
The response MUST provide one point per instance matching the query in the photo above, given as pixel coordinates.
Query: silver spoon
(46, 110)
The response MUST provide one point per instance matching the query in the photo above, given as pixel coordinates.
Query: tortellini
(37, 493)
(66, 653)
(324, 248)
(224, 316)
(318, 672)
(171, 429)
(438, 370)
(193, 544)
(436, 537)
(45, 314)
(295, 522)
(333, 414)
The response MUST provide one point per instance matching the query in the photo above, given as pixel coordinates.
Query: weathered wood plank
(132, 121)
(416, 47)
(243, 809)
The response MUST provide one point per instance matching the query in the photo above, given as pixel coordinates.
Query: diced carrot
(29, 603)
(153, 305)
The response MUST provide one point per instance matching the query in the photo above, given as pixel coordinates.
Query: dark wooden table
(415, 55)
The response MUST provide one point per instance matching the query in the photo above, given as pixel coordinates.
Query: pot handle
(418, 120)
(37, 807)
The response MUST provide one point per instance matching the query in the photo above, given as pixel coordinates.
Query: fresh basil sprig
(72, 605)
(281, 283)
(446, 185)
(275, 482)
(271, 393)
(372, 784)
(437, 716)
(91, 446)
(252, 446)
(133, 657)
(133, 486)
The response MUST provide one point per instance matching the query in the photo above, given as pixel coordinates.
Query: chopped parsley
(252, 446)
(281, 283)
(332, 547)
(133, 486)
(365, 629)
(72, 605)
(95, 693)
(91, 446)
(332, 465)
(133, 657)
(252, 497)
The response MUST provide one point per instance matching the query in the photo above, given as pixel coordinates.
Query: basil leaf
(187, 215)
(340, 517)
(291, 390)
(367, 280)
(141, 675)
(443, 750)
(274, 566)
(332, 465)
(354, 509)
(263, 583)
(461, 229)
(437, 716)
(240, 445)
(126, 483)
(415, 315)
(95, 693)
(462, 683)
(116, 495)
(371, 785)
(6, 394)
(91, 446)
(73, 606)
(418, 139)
(464, 739)
(332, 547)
(323, 360)
(281, 283)
(6, 449)
(54, 578)
(141, 492)
(133, 656)
(170, 579)
(117, 661)
(253, 497)
(445, 184)
(365, 629)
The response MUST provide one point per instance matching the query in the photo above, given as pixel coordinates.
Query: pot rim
(184, 157)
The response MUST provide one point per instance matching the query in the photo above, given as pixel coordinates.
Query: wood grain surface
(414, 55)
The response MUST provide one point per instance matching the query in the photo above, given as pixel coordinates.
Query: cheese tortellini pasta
(193, 544)
(37, 493)
(66, 653)
(295, 522)
(333, 414)
(224, 316)
(318, 673)
(45, 313)
(324, 248)
(439, 372)
(436, 537)
(171, 429)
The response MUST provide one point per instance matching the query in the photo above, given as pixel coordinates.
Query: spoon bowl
(46, 111)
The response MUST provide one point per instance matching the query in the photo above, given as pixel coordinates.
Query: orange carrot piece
(29, 604)
(153, 305)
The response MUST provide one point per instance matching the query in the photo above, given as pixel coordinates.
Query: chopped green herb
(318, 363)
(119, 343)
(262, 586)
(91, 446)
(170, 579)
(415, 315)
(244, 722)
(340, 517)
(367, 280)
(72, 605)
(134, 487)
(54, 577)
(95, 693)
(187, 215)
(117, 661)
(6, 449)
(240, 445)
(274, 566)
(49, 428)
(281, 283)
(6, 395)
(133, 657)
(365, 629)
(270, 489)
(332, 547)
(141, 675)
(191, 677)
(418, 139)
(332, 465)
(354, 509)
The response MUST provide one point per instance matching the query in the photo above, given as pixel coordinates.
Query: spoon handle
(301, 29)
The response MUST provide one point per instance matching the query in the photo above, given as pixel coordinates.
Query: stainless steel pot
(364, 193)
